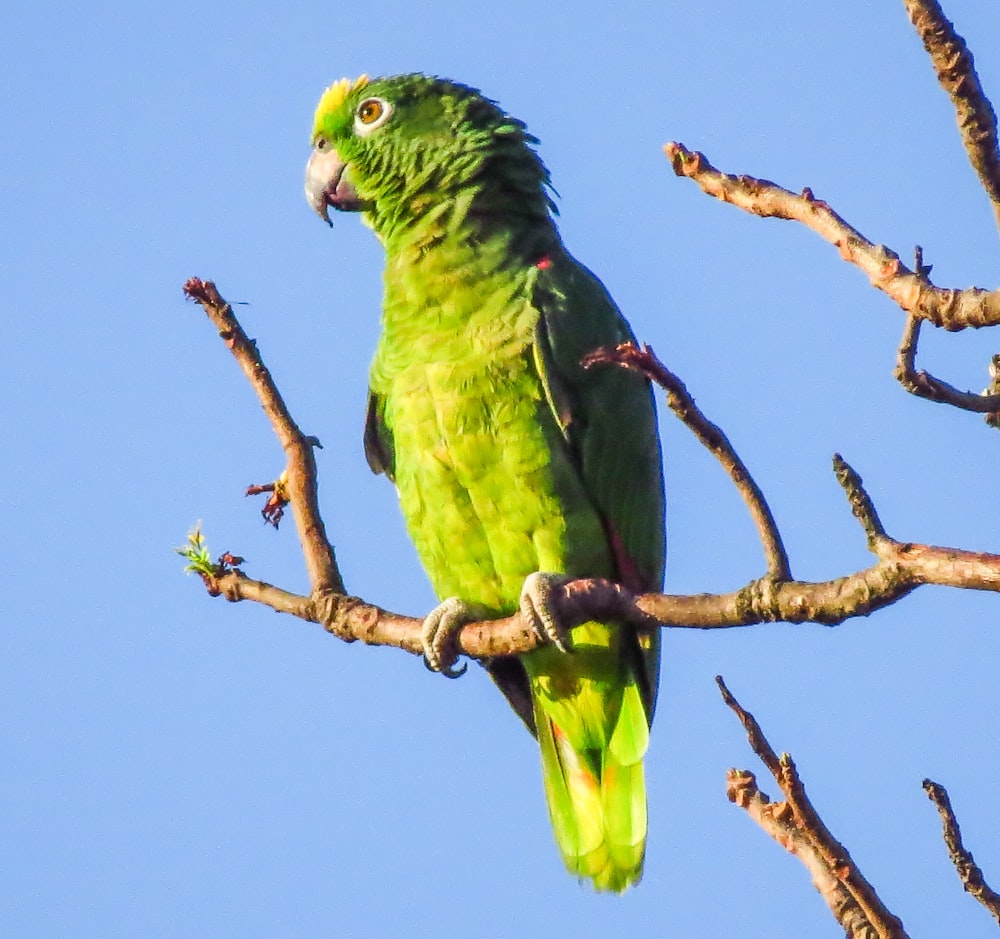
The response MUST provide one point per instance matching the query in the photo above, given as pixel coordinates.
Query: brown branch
(924, 385)
(797, 827)
(956, 73)
(900, 567)
(968, 871)
(300, 483)
(951, 309)
(644, 360)
(860, 502)
(353, 619)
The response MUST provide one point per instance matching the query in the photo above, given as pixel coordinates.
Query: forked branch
(301, 479)
(952, 309)
(797, 827)
(924, 385)
(911, 289)
(899, 568)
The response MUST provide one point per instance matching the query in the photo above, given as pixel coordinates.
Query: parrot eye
(371, 113)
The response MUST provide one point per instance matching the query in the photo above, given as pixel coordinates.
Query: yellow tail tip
(609, 869)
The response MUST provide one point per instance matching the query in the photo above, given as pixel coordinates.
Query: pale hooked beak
(326, 185)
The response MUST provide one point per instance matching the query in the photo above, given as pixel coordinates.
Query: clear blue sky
(172, 765)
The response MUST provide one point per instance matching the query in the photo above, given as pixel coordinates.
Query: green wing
(608, 419)
(378, 439)
(592, 714)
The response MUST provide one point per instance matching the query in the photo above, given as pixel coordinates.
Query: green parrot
(516, 468)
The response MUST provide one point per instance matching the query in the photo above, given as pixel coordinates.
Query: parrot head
(395, 147)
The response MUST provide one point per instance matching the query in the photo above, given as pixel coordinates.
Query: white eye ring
(376, 110)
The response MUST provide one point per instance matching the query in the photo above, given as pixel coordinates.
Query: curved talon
(437, 636)
(449, 671)
(537, 608)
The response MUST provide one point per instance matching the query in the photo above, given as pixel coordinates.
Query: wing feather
(608, 419)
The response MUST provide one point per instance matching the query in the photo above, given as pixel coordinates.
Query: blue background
(172, 765)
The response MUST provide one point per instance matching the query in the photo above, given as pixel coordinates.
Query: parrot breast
(486, 484)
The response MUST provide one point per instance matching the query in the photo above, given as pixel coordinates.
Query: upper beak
(326, 185)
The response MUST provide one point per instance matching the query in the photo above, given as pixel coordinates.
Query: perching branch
(956, 72)
(952, 309)
(968, 871)
(900, 567)
(797, 827)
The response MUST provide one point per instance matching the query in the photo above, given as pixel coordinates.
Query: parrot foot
(536, 607)
(437, 635)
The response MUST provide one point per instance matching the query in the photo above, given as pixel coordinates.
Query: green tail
(593, 733)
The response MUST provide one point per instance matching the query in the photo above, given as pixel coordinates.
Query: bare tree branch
(956, 72)
(629, 355)
(968, 871)
(900, 567)
(300, 483)
(797, 827)
(924, 385)
(951, 309)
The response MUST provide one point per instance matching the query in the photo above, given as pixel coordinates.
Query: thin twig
(956, 73)
(796, 826)
(924, 385)
(969, 872)
(950, 309)
(644, 360)
(320, 560)
(861, 503)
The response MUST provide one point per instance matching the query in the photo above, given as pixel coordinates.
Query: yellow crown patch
(334, 96)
